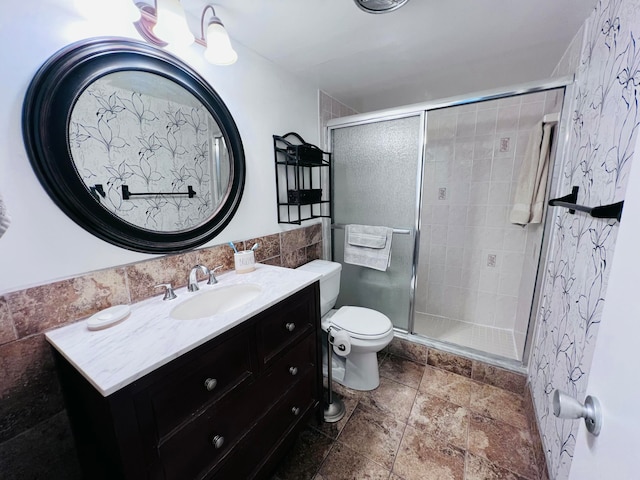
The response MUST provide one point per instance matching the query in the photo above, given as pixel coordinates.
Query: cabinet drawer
(291, 321)
(293, 365)
(247, 460)
(192, 451)
(207, 378)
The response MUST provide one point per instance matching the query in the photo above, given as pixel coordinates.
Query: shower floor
(497, 341)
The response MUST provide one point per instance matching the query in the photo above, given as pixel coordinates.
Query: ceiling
(428, 49)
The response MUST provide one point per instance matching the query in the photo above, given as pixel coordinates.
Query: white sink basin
(212, 302)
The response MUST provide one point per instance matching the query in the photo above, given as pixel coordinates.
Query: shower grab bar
(400, 231)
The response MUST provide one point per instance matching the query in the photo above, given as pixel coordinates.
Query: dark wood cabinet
(228, 409)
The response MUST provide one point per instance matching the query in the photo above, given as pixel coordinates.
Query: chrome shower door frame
(422, 110)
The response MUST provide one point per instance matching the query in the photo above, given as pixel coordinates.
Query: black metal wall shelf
(613, 210)
(300, 169)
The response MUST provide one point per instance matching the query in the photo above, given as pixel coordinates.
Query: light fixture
(171, 24)
(107, 12)
(219, 50)
(165, 23)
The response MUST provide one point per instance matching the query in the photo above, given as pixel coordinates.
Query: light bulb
(171, 25)
(219, 50)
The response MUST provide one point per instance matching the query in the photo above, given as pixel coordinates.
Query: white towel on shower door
(368, 246)
(531, 190)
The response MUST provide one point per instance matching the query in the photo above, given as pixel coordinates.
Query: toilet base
(361, 371)
(358, 371)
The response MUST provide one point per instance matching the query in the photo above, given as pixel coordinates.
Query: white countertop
(149, 338)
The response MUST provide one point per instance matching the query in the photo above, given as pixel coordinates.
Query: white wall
(42, 243)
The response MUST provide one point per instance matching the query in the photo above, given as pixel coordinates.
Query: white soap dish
(108, 317)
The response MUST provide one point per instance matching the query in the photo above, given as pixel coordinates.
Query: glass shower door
(376, 170)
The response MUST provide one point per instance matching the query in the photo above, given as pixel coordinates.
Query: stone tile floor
(421, 423)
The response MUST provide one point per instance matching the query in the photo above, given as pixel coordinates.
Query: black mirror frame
(46, 116)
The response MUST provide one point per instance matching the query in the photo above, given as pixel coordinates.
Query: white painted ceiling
(428, 49)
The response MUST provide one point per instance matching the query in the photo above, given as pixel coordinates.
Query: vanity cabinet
(228, 409)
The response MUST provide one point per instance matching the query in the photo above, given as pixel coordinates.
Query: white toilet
(369, 331)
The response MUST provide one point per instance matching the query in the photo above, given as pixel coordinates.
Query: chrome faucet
(193, 279)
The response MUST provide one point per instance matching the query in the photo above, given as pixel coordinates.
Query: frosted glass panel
(375, 174)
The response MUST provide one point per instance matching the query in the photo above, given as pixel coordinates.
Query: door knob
(565, 406)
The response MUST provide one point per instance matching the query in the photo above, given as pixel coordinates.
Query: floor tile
(499, 377)
(390, 398)
(305, 457)
(423, 422)
(478, 468)
(499, 404)
(342, 463)
(333, 429)
(422, 457)
(406, 349)
(502, 444)
(373, 435)
(401, 370)
(440, 419)
(448, 361)
(447, 385)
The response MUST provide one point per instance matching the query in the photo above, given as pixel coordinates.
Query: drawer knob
(295, 411)
(293, 370)
(210, 383)
(218, 441)
(290, 326)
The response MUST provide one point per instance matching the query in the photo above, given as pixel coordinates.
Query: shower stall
(443, 175)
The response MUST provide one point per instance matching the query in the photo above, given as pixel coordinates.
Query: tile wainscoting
(35, 438)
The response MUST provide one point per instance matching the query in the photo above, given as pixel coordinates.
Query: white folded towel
(368, 246)
(5, 219)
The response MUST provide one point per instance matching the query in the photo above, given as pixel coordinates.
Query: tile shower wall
(35, 439)
(329, 109)
(471, 257)
(602, 137)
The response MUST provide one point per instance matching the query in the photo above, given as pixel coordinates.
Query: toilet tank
(329, 282)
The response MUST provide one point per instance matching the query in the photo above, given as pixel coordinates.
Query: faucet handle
(212, 275)
(169, 294)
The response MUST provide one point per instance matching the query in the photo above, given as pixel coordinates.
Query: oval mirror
(134, 145)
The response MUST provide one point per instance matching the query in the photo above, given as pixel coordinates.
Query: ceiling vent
(380, 6)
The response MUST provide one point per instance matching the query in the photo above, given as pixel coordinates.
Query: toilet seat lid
(362, 322)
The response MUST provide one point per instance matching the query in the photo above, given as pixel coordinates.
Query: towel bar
(400, 231)
(613, 210)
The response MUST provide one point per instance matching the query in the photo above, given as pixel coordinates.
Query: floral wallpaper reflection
(151, 143)
(603, 133)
